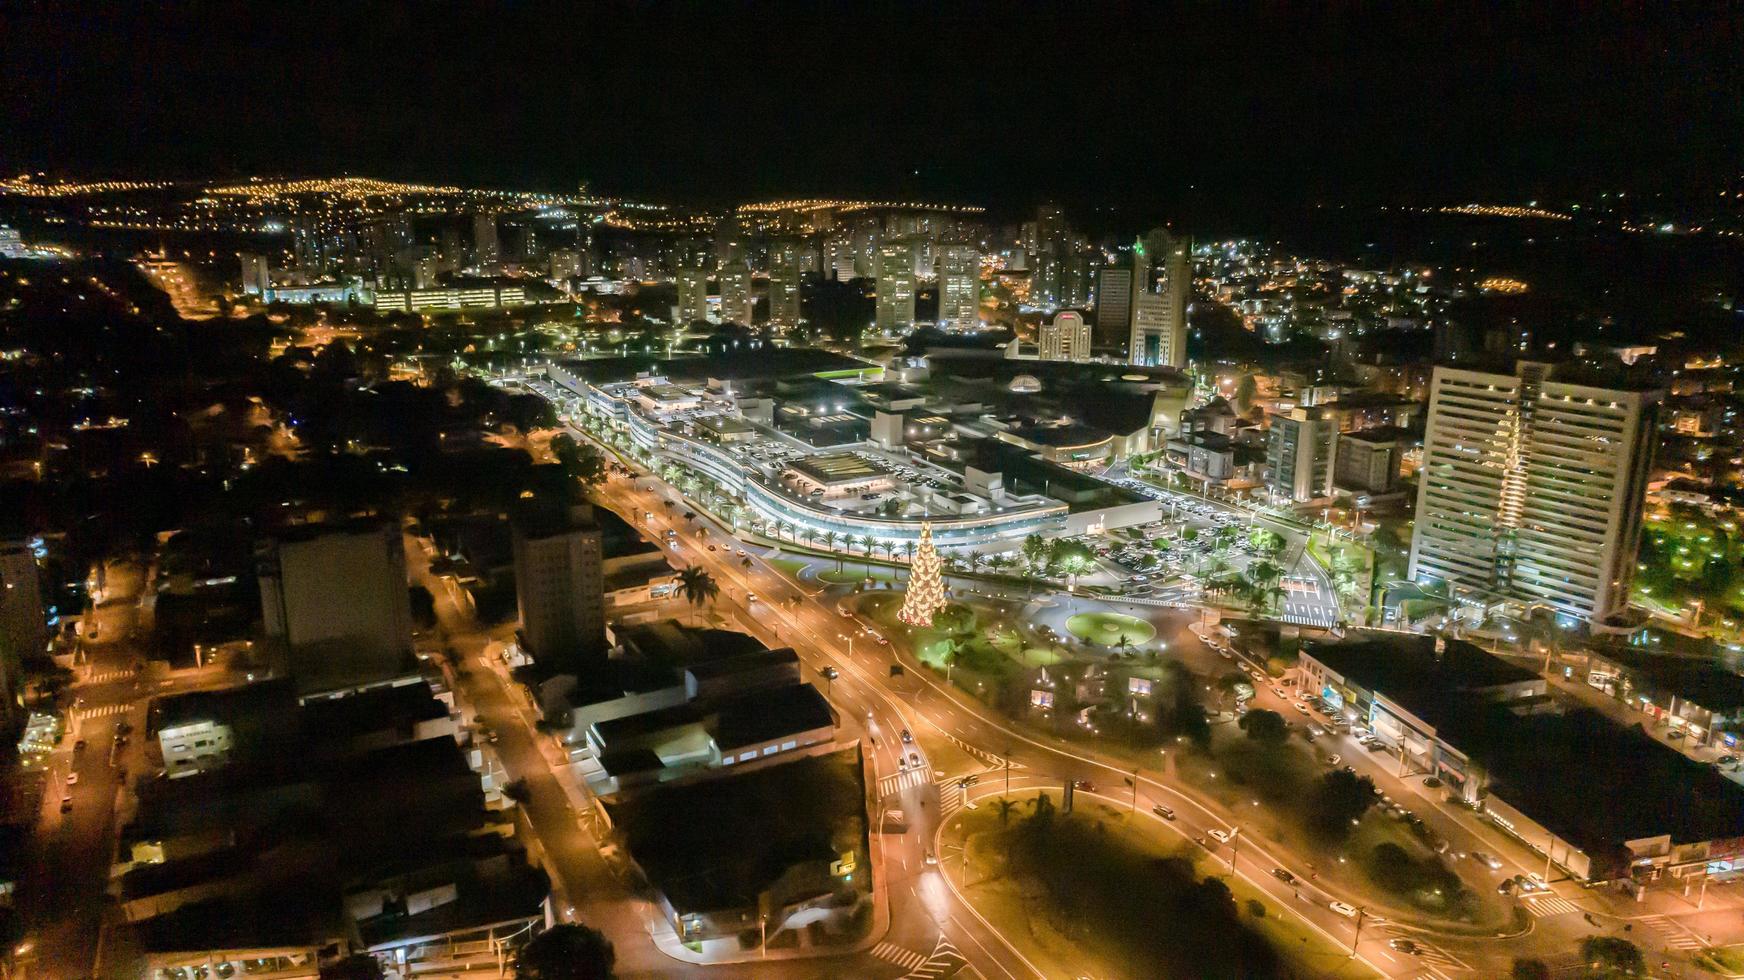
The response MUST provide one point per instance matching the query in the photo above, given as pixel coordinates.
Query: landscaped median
(1104, 892)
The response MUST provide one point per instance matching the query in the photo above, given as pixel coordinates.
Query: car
(914, 759)
(907, 738)
(711, 547)
(1334, 759)
(1284, 876)
(1085, 785)
(1726, 761)
(1316, 731)
(1219, 836)
(66, 804)
(1279, 693)
(1303, 708)
(750, 597)
(1163, 811)
(1675, 735)
(931, 858)
(72, 778)
(831, 673)
(1432, 782)
(881, 640)
(1405, 946)
(1534, 882)
(1348, 911)
(1225, 654)
(1508, 885)
(1487, 860)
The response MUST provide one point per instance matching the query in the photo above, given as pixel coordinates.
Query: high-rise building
(1159, 320)
(256, 274)
(23, 625)
(427, 272)
(692, 295)
(959, 286)
(1301, 451)
(1049, 246)
(559, 587)
(736, 298)
(487, 248)
(1066, 338)
(1113, 306)
(895, 306)
(334, 599)
(1531, 487)
(566, 264)
(785, 271)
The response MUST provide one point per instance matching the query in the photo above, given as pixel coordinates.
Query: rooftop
(765, 715)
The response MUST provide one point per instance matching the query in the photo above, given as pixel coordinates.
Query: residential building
(895, 301)
(959, 268)
(1368, 460)
(450, 298)
(1113, 305)
(23, 625)
(487, 248)
(692, 294)
(737, 303)
(1066, 337)
(784, 279)
(256, 274)
(1299, 454)
(559, 583)
(335, 603)
(1531, 487)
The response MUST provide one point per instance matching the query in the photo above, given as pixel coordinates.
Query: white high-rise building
(1066, 338)
(256, 274)
(737, 302)
(959, 267)
(692, 295)
(1531, 488)
(558, 585)
(895, 307)
(487, 247)
(1301, 448)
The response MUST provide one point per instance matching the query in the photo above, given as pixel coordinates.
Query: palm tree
(908, 551)
(698, 587)
(1005, 807)
(809, 535)
(830, 538)
(1000, 562)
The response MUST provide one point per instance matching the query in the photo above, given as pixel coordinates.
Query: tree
(579, 462)
(1265, 727)
(1004, 806)
(698, 587)
(1529, 970)
(830, 538)
(423, 606)
(1035, 552)
(1340, 798)
(567, 951)
(908, 550)
(1611, 956)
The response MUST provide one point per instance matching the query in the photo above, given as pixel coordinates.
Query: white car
(1348, 911)
(1534, 882)
(1218, 836)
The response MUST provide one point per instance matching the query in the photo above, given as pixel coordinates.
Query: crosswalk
(896, 782)
(1673, 934)
(1439, 961)
(908, 959)
(1550, 905)
(944, 961)
(103, 710)
(106, 676)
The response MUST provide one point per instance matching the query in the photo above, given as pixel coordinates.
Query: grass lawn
(790, 567)
(854, 574)
(1107, 628)
(1072, 918)
(1725, 960)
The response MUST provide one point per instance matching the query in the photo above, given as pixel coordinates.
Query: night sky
(1126, 106)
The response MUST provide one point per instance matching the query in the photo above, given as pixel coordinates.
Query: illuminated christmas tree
(926, 588)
